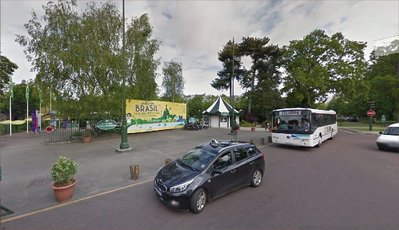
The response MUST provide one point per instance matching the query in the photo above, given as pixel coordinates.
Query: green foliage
(319, 65)
(140, 54)
(7, 68)
(79, 57)
(63, 170)
(196, 105)
(19, 101)
(384, 84)
(88, 133)
(229, 55)
(261, 79)
(173, 81)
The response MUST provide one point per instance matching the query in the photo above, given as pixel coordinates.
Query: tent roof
(219, 107)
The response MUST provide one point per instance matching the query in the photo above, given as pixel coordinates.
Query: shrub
(63, 170)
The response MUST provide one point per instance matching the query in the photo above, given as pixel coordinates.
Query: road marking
(73, 201)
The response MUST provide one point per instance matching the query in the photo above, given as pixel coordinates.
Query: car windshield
(392, 131)
(197, 159)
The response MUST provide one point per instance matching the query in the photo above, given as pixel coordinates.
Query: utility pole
(232, 119)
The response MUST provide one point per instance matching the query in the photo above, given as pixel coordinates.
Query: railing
(61, 135)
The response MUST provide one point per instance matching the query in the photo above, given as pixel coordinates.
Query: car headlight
(181, 187)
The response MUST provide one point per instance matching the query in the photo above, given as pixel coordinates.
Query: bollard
(167, 161)
(134, 172)
(269, 139)
(252, 141)
(262, 140)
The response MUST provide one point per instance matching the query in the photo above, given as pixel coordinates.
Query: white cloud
(193, 32)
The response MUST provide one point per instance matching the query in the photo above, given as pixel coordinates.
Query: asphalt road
(345, 184)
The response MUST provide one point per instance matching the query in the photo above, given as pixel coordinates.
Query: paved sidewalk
(26, 162)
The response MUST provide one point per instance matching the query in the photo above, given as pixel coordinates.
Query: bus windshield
(292, 121)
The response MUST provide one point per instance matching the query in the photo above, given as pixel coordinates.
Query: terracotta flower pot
(64, 192)
(86, 139)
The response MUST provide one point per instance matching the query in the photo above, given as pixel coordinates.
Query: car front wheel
(198, 201)
(256, 178)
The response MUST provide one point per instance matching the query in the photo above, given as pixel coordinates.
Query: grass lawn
(361, 126)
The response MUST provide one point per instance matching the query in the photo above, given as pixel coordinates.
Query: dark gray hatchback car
(207, 172)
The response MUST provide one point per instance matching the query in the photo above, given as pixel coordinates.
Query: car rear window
(240, 154)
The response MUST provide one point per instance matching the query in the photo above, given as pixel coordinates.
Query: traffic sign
(370, 113)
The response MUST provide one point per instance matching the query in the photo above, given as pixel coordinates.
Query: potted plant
(87, 134)
(62, 173)
(253, 126)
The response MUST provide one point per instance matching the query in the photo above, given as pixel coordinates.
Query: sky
(193, 32)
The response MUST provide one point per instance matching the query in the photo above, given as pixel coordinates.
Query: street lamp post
(124, 146)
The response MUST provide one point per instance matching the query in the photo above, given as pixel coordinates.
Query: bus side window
(315, 122)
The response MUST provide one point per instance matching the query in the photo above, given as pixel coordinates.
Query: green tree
(173, 81)
(229, 53)
(7, 68)
(195, 106)
(78, 57)
(264, 71)
(384, 84)
(19, 100)
(199, 103)
(141, 50)
(319, 65)
(261, 79)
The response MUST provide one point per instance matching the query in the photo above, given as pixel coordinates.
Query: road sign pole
(370, 123)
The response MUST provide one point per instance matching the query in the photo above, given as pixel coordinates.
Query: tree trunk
(250, 94)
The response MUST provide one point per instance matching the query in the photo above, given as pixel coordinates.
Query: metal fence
(61, 135)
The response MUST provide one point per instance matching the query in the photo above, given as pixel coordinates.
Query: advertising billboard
(146, 116)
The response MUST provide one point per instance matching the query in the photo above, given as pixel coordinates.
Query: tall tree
(7, 68)
(229, 56)
(141, 59)
(384, 84)
(173, 81)
(319, 65)
(261, 79)
(264, 66)
(78, 56)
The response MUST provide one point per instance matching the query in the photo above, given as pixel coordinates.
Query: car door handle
(252, 162)
(233, 171)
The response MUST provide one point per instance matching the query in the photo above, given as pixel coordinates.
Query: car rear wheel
(198, 201)
(256, 178)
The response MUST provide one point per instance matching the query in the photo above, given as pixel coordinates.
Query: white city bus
(303, 126)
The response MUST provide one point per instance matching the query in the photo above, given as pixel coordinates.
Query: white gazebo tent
(218, 114)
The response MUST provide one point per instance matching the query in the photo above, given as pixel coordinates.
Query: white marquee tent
(218, 114)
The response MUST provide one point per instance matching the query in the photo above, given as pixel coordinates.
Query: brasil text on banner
(146, 116)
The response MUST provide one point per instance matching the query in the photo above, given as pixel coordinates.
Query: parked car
(389, 138)
(207, 172)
